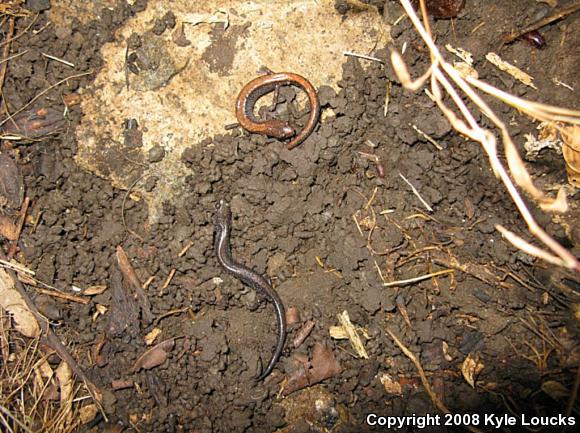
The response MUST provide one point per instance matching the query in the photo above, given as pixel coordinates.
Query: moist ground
(329, 227)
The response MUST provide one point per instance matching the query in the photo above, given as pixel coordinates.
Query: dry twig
(444, 78)
(45, 91)
(434, 398)
(541, 23)
(52, 339)
(417, 279)
(6, 51)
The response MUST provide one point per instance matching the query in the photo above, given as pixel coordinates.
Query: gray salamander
(223, 227)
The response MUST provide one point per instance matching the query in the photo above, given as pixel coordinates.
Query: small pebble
(156, 154)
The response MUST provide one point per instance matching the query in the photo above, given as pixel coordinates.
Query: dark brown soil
(294, 219)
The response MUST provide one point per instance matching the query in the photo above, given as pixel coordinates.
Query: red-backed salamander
(280, 129)
(223, 227)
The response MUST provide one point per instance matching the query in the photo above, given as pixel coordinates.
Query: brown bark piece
(134, 285)
(303, 333)
(11, 183)
(124, 311)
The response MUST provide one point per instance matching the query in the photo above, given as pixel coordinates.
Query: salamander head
(223, 214)
(279, 129)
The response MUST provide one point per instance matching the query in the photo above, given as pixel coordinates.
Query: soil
(329, 224)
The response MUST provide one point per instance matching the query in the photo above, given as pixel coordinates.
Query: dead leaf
(323, 366)
(130, 276)
(8, 229)
(42, 374)
(555, 390)
(99, 355)
(127, 268)
(44, 368)
(123, 317)
(571, 152)
(446, 355)
(471, 367)
(87, 413)
(11, 183)
(547, 131)
(95, 290)
(49, 392)
(64, 376)
(391, 385)
(151, 336)
(154, 356)
(5, 347)
(11, 301)
(178, 36)
(469, 208)
(292, 316)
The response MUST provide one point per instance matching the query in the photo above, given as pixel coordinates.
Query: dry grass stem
(557, 82)
(27, 382)
(445, 79)
(6, 51)
(427, 137)
(429, 208)
(436, 401)
(45, 91)
(185, 249)
(13, 56)
(167, 281)
(15, 267)
(537, 110)
(65, 296)
(57, 59)
(9, 41)
(417, 279)
(528, 248)
(362, 56)
(211, 19)
(387, 98)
